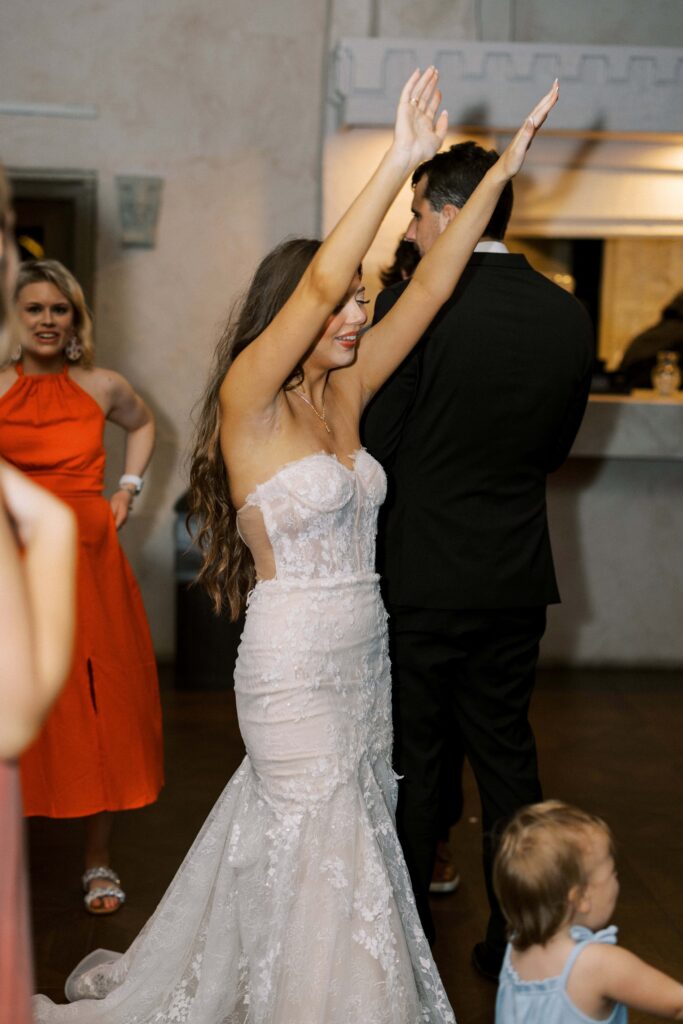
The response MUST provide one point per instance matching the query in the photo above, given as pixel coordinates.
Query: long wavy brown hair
(227, 570)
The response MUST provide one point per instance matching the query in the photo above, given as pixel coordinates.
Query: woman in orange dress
(100, 750)
(36, 630)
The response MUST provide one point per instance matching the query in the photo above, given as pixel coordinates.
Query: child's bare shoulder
(597, 955)
(586, 983)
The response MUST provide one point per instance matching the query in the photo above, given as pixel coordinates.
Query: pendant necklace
(308, 402)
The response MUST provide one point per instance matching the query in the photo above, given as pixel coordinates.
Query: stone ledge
(640, 426)
(491, 85)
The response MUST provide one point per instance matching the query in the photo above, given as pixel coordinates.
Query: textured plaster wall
(609, 22)
(221, 98)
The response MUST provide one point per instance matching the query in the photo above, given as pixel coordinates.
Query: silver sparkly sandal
(113, 890)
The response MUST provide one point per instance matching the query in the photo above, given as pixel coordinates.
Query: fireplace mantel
(605, 89)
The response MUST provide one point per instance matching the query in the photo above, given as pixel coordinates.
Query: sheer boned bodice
(315, 518)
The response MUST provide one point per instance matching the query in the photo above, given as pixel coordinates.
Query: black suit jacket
(467, 428)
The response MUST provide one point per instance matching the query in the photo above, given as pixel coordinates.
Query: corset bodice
(319, 517)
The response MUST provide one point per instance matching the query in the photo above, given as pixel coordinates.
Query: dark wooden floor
(611, 742)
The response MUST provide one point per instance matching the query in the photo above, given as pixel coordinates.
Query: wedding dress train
(294, 904)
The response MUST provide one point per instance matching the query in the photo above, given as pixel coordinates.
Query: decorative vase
(666, 375)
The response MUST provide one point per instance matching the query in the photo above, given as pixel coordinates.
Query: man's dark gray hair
(453, 176)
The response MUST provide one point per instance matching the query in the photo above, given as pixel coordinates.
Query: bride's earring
(73, 349)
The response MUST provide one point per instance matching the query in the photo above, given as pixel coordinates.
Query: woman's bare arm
(385, 346)
(258, 374)
(37, 596)
(124, 407)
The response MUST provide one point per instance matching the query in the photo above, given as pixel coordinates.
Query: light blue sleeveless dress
(547, 1002)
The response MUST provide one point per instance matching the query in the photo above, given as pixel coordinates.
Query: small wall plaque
(139, 198)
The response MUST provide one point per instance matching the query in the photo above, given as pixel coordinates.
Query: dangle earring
(73, 349)
(17, 354)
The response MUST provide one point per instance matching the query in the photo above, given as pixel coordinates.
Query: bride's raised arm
(385, 346)
(259, 372)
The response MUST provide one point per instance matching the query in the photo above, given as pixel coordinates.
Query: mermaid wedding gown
(294, 904)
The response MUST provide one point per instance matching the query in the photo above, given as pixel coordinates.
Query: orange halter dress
(101, 746)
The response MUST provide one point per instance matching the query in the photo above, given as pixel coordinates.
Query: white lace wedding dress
(294, 905)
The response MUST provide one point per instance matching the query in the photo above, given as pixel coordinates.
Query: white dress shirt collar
(489, 245)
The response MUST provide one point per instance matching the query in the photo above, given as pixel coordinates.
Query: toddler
(556, 882)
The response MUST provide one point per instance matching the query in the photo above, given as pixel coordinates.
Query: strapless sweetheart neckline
(305, 458)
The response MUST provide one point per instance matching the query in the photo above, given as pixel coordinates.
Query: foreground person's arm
(37, 596)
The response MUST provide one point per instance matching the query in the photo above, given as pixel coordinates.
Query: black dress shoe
(487, 961)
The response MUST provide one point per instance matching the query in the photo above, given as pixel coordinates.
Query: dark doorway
(45, 229)
(55, 219)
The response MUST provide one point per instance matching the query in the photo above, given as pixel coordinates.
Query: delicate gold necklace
(308, 402)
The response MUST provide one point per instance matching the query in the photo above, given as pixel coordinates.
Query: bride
(294, 904)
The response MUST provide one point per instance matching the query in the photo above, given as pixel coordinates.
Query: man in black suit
(486, 405)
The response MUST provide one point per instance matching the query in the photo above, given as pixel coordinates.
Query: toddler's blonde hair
(541, 858)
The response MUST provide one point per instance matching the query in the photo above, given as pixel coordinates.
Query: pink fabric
(16, 981)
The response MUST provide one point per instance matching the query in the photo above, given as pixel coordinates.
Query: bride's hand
(418, 133)
(513, 156)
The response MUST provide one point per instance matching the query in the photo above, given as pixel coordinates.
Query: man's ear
(449, 212)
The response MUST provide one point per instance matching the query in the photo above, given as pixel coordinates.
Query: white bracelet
(131, 478)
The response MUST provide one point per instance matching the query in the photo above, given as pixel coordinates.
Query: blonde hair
(54, 272)
(540, 859)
